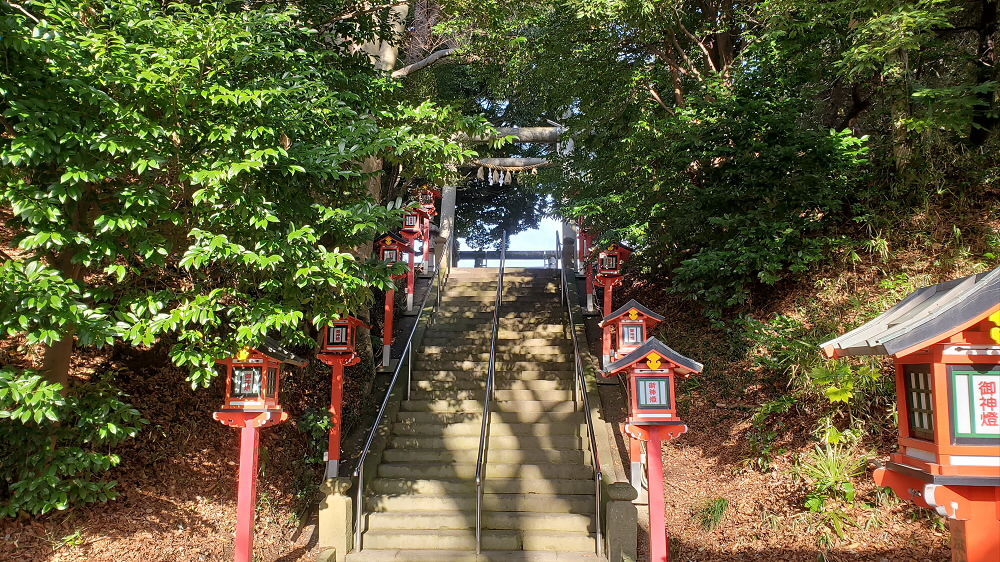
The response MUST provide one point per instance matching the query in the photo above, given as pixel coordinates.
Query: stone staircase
(539, 490)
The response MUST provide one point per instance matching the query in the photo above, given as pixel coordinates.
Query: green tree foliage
(735, 143)
(55, 445)
(190, 173)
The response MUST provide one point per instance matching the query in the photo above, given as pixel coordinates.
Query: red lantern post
(609, 270)
(413, 230)
(253, 379)
(390, 250)
(651, 370)
(338, 349)
(945, 343)
(427, 197)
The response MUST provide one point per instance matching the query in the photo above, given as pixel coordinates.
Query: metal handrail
(580, 389)
(484, 431)
(440, 278)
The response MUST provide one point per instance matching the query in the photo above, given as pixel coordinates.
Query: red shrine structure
(338, 349)
(390, 249)
(626, 329)
(253, 379)
(652, 370)
(609, 270)
(945, 343)
(427, 196)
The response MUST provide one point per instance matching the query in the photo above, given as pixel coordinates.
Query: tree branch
(656, 96)
(21, 9)
(421, 64)
(356, 13)
(691, 36)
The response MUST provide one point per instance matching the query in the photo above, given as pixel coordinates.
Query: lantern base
(250, 418)
(332, 469)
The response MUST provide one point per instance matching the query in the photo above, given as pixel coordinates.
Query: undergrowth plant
(57, 446)
(711, 514)
(830, 471)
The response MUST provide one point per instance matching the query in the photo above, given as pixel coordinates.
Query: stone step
(467, 556)
(477, 406)
(513, 341)
(522, 355)
(487, 292)
(480, 374)
(479, 383)
(465, 539)
(465, 327)
(535, 503)
(491, 520)
(552, 315)
(407, 486)
(458, 471)
(534, 456)
(477, 394)
(432, 364)
(517, 416)
(496, 442)
(541, 347)
(497, 429)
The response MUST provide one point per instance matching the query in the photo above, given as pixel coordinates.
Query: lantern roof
(353, 321)
(632, 304)
(391, 239)
(274, 350)
(925, 317)
(686, 364)
(616, 245)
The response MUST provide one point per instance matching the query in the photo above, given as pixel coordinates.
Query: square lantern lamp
(626, 329)
(945, 343)
(391, 249)
(651, 370)
(610, 261)
(253, 383)
(412, 221)
(340, 338)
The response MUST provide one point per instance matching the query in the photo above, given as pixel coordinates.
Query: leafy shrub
(782, 344)
(830, 470)
(56, 446)
(839, 381)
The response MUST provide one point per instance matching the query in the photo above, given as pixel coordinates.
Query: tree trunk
(987, 60)
(56, 357)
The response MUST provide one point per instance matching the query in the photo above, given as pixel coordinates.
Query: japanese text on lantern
(976, 399)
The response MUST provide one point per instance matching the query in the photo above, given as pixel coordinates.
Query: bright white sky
(541, 238)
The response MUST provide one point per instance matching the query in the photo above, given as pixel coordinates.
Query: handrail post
(489, 394)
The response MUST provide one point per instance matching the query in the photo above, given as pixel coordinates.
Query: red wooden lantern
(945, 343)
(626, 329)
(609, 270)
(412, 224)
(426, 196)
(338, 349)
(391, 248)
(584, 249)
(651, 370)
(253, 380)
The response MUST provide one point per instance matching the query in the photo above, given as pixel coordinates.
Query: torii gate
(534, 135)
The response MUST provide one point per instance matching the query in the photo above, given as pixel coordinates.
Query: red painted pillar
(246, 495)
(609, 291)
(336, 417)
(390, 302)
(606, 345)
(658, 543)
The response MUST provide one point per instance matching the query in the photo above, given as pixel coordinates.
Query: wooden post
(336, 416)
(428, 242)
(246, 496)
(659, 544)
(390, 305)
(609, 291)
